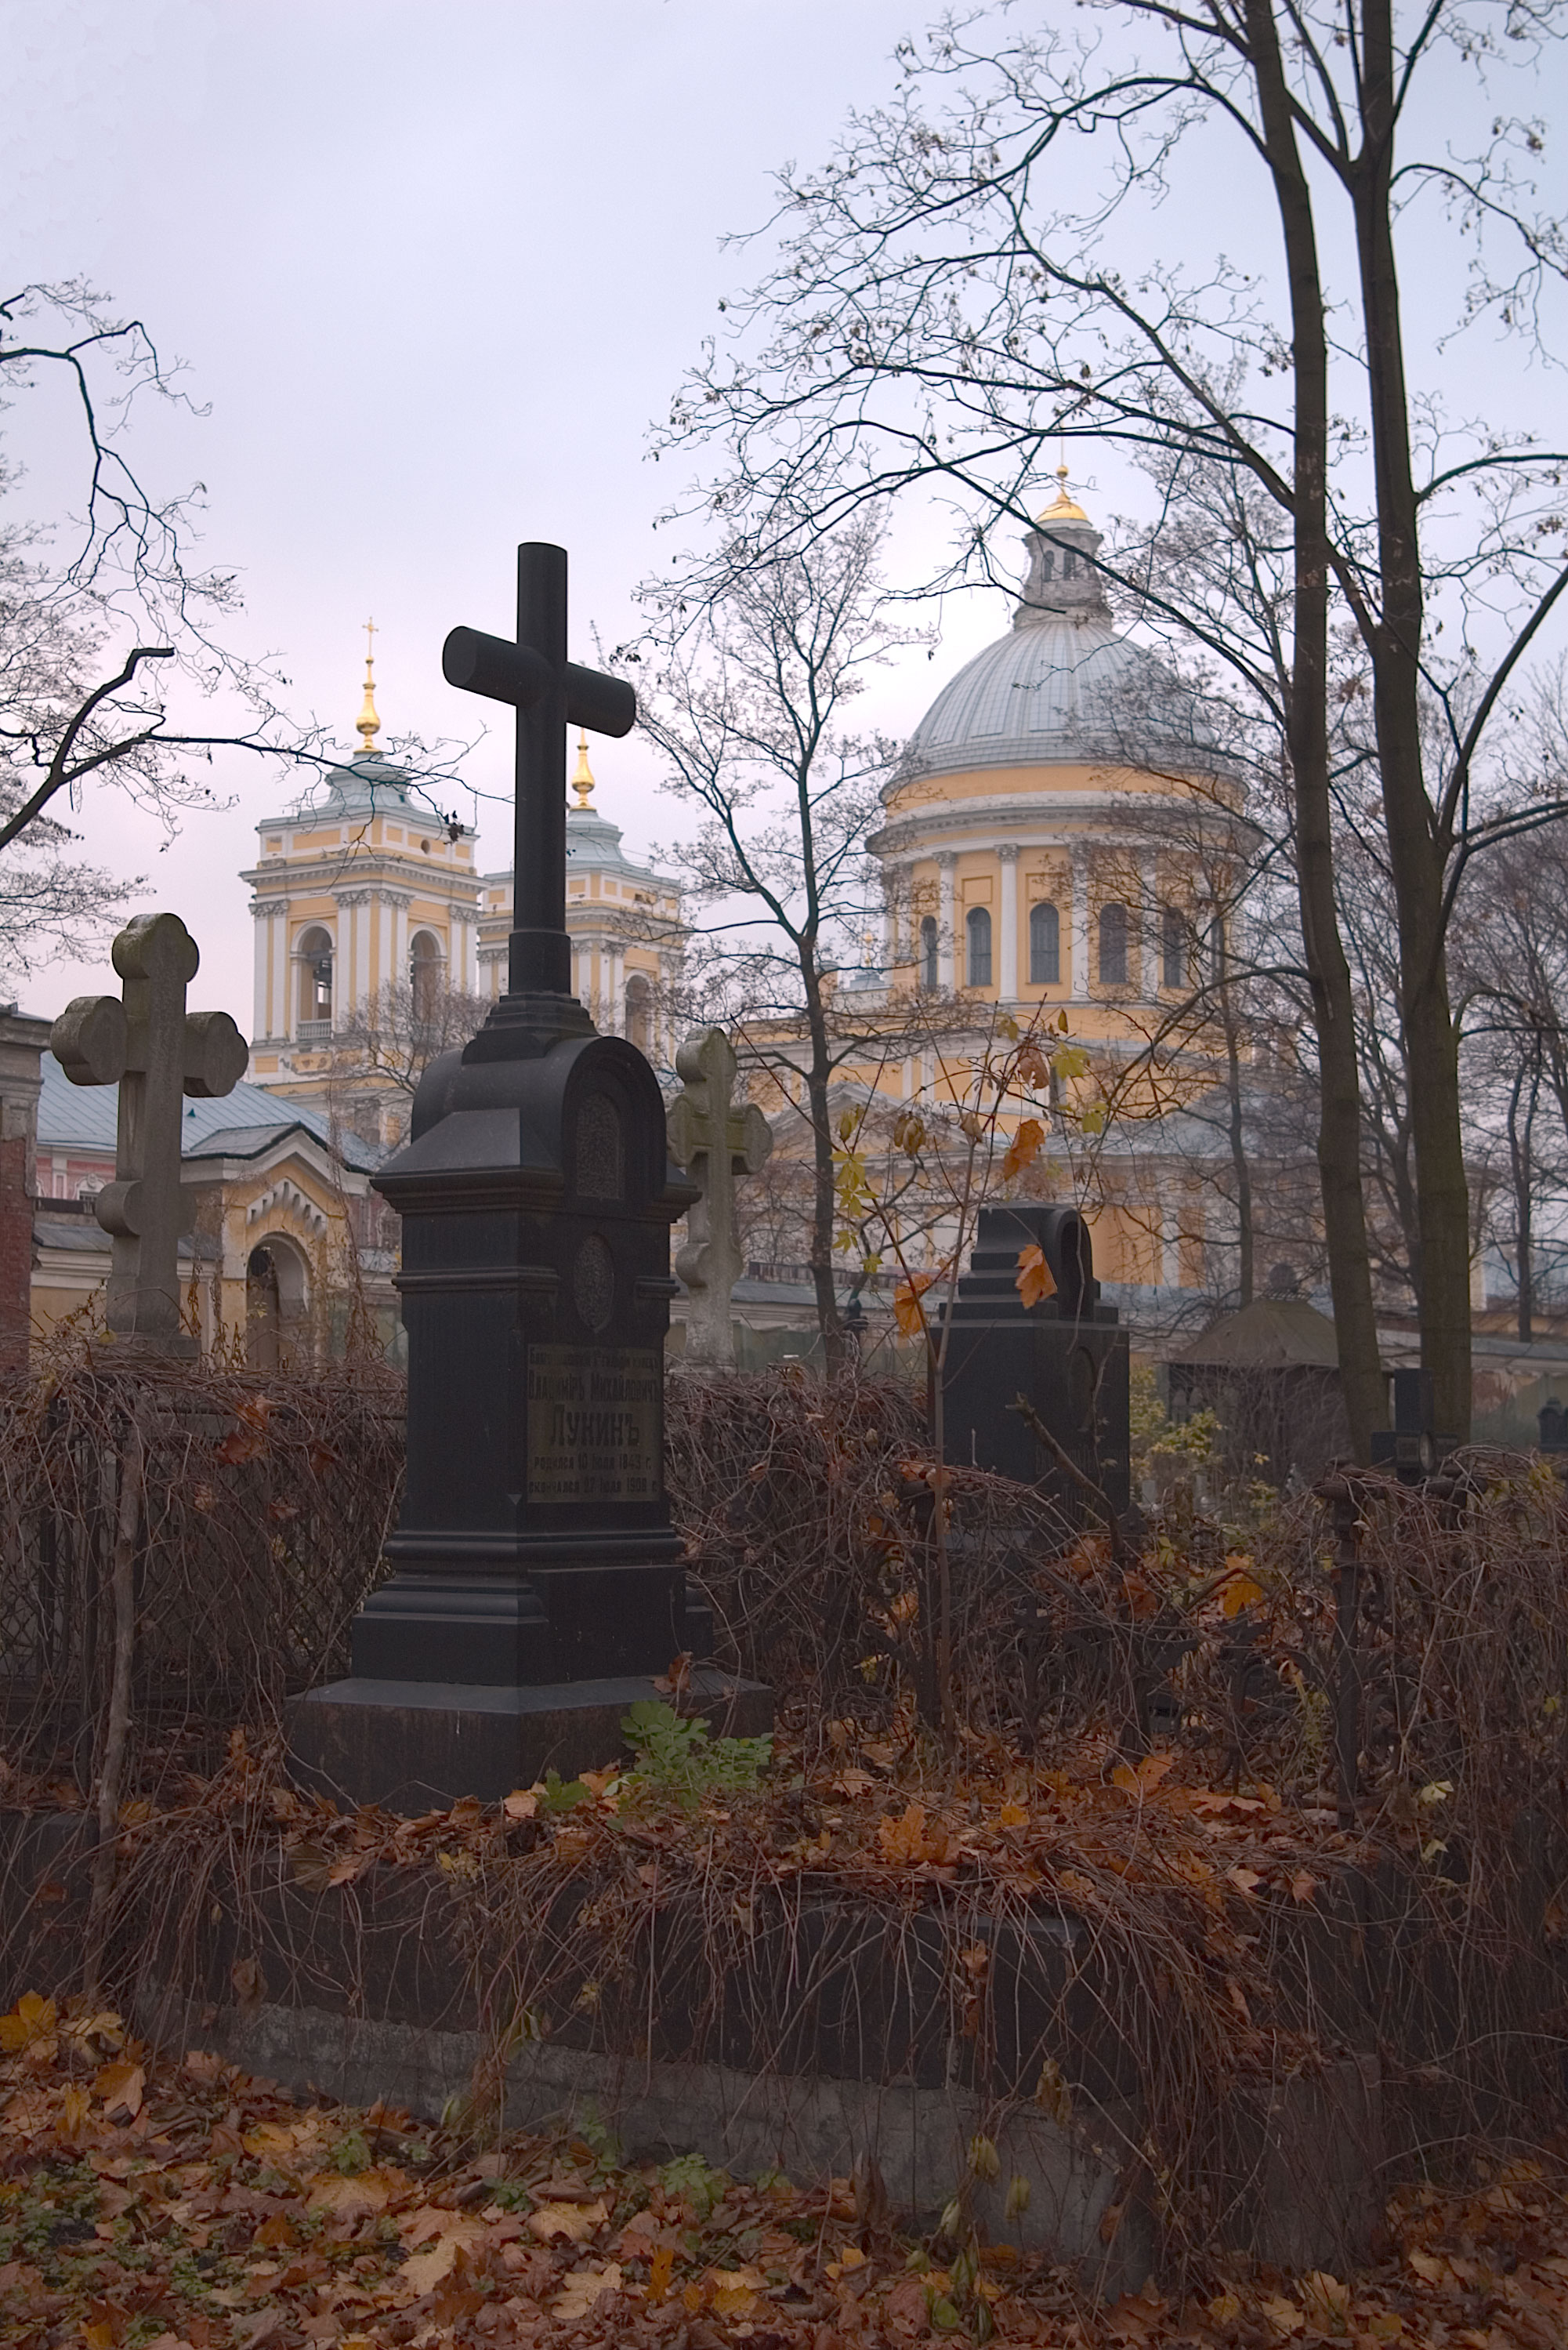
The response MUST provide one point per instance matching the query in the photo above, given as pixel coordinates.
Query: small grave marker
(715, 1141)
(156, 1052)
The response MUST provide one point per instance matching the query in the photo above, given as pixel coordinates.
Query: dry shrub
(263, 1505)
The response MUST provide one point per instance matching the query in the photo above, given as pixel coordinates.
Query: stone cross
(156, 1052)
(549, 693)
(715, 1143)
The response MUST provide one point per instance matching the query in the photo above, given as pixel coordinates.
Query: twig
(111, 1772)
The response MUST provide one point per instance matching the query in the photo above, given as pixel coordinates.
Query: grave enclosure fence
(807, 1513)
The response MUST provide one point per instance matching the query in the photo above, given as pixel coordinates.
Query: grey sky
(435, 268)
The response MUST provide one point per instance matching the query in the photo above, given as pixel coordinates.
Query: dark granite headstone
(1066, 1353)
(1411, 1449)
(537, 1589)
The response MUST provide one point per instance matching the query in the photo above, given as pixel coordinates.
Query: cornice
(929, 832)
(326, 876)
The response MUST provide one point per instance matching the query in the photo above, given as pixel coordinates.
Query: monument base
(418, 1746)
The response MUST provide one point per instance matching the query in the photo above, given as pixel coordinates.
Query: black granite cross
(549, 693)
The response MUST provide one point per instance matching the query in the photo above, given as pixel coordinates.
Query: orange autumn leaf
(1023, 1149)
(1240, 1592)
(1035, 1279)
(906, 1839)
(31, 2026)
(660, 2271)
(908, 1311)
(1142, 1782)
(121, 2086)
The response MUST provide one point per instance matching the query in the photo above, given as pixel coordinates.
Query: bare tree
(382, 1048)
(946, 297)
(746, 685)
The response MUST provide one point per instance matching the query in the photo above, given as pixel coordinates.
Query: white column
(261, 916)
(396, 909)
(280, 970)
(1080, 924)
(1007, 970)
(946, 917)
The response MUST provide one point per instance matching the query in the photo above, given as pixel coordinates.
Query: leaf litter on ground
(218, 2210)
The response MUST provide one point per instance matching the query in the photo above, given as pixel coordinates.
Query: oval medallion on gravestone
(600, 1159)
(593, 1281)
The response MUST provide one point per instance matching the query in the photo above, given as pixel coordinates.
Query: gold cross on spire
(368, 723)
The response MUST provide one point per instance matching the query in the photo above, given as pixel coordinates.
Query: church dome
(1062, 688)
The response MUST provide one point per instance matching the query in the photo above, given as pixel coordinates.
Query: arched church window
(1216, 945)
(424, 974)
(1044, 946)
(1113, 945)
(977, 923)
(315, 983)
(931, 965)
(1172, 947)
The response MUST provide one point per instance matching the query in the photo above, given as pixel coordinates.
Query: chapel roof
(1271, 1333)
(84, 1118)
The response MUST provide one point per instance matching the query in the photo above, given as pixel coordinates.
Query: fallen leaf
(423, 2272)
(574, 2222)
(660, 2271)
(350, 2199)
(120, 2088)
(29, 2027)
(583, 2287)
(735, 2290)
(521, 1805)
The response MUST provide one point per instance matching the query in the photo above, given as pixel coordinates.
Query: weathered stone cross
(715, 1143)
(156, 1052)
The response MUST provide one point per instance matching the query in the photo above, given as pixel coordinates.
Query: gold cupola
(367, 724)
(583, 779)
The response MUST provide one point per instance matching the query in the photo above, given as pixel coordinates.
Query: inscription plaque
(596, 1429)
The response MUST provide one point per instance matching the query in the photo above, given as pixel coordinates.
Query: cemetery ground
(1125, 1903)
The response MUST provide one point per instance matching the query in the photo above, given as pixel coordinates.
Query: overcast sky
(435, 268)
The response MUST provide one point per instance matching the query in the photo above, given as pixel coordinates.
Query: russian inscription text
(595, 1423)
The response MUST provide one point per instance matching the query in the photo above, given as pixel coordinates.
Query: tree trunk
(817, 1071)
(1328, 972)
(1416, 856)
(1246, 1276)
(1521, 1155)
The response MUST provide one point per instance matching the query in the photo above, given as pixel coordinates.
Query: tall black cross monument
(536, 1590)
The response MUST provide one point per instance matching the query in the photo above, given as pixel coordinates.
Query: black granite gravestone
(1066, 1353)
(1412, 1449)
(537, 1588)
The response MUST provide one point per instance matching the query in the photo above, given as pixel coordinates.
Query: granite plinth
(414, 1746)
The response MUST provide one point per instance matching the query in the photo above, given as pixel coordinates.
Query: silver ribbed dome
(1044, 695)
(1062, 688)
